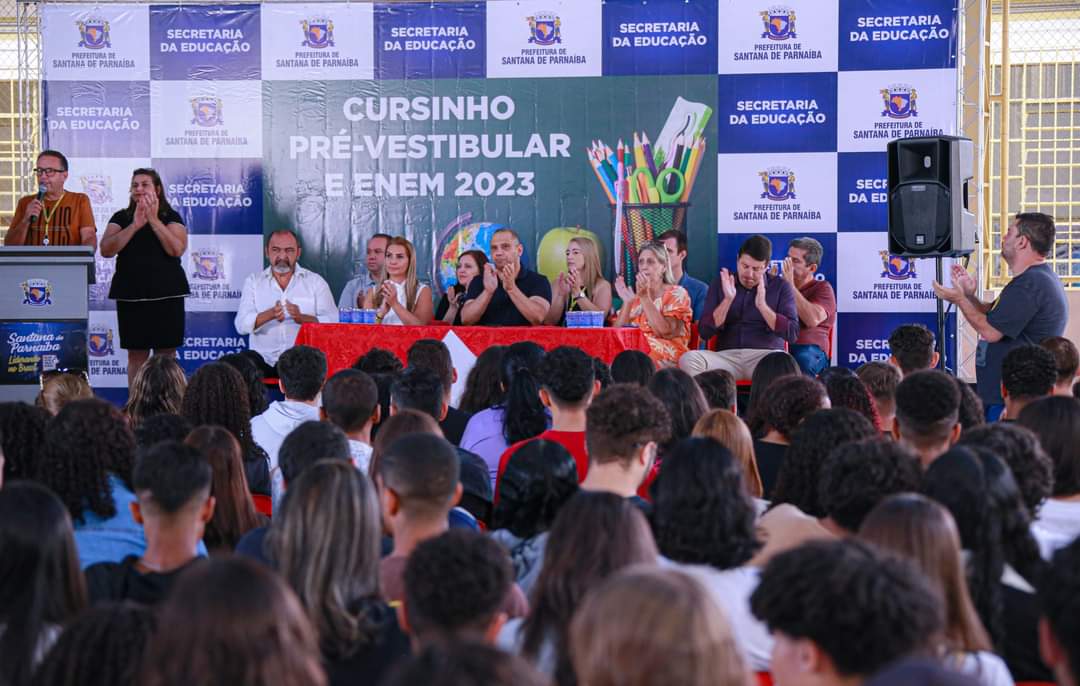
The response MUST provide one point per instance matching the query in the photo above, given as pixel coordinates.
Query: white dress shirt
(307, 290)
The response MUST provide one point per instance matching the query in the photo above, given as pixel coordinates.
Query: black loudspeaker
(928, 197)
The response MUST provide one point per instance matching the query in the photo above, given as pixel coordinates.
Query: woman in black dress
(149, 284)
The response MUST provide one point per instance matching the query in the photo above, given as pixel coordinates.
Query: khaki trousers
(740, 362)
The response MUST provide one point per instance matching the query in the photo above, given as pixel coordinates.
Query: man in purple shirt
(751, 316)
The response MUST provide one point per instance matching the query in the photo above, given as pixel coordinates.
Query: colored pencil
(639, 154)
(646, 148)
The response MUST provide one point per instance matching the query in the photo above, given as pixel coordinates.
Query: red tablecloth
(343, 343)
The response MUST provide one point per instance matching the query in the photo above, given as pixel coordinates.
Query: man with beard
(508, 294)
(1031, 308)
(277, 300)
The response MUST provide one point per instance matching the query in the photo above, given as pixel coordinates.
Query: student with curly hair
(87, 460)
(41, 587)
(652, 627)
(789, 400)
(852, 393)
(104, 646)
(336, 578)
(540, 479)
(1056, 423)
(232, 621)
(1021, 451)
(1059, 600)
(379, 361)
(839, 611)
(216, 394)
(774, 365)
(22, 438)
(455, 589)
(1028, 372)
(249, 368)
(702, 514)
(1003, 560)
(911, 348)
(921, 530)
(625, 426)
(158, 388)
(577, 560)
(927, 413)
(859, 475)
(567, 386)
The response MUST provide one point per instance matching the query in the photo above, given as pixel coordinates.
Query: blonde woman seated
(659, 308)
(582, 287)
(397, 296)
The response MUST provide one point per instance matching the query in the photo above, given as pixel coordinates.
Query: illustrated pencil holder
(643, 223)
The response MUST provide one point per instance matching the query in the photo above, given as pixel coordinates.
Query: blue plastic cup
(344, 315)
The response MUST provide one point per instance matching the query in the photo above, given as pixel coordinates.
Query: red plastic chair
(695, 339)
(765, 679)
(263, 504)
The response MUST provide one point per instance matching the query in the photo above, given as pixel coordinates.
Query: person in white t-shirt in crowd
(350, 401)
(302, 371)
(277, 300)
(1056, 421)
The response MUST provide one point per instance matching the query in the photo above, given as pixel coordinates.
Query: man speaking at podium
(54, 216)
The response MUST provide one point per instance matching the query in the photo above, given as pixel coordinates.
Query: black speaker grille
(919, 219)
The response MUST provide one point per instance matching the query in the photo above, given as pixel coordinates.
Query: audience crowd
(561, 523)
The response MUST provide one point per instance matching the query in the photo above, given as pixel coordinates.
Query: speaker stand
(940, 315)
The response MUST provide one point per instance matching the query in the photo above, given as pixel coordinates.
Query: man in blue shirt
(675, 242)
(1031, 308)
(356, 288)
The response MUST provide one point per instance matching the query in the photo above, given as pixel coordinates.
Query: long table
(343, 343)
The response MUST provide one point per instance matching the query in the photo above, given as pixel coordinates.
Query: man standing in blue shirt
(675, 242)
(1031, 308)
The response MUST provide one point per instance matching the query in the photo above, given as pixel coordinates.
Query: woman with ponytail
(519, 416)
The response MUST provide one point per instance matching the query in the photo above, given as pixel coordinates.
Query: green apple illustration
(551, 256)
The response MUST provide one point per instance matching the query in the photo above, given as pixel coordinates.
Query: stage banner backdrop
(444, 121)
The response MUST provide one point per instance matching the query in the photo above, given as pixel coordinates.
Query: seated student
(674, 241)
(703, 515)
(815, 301)
(924, 532)
(247, 363)
(725, 427)
(464, 663)
(158, 388)
(507, 293)
(419, 483)
(927, 414)
(42, 588)
(517, 416)
(577, 560)
(567, 386)
(379, 361)
(234, 509)
(911, 348)
(304, 446)
(624, 428)
(1059, 627)
(162, 427)
(87, 460)
(456, 585)
(881, 379)
(787, 402)
(858, 475)
(972, 412)
(540, 479)
(22, 438)
(772, 367)
(1019, 448)
(797, 510)
(103, 646)
(350, 401)
(483, 384)
(719, 388)
(750, 315)
(1003, 559)
(1056, 422)
(336, 576)
(849, 391)
(839, 611)
(301, 372)
(1067, 361)
(582, 287)
(1028, 372)
(232, 621)
(60, 388)
(172, 484)
(428, 353)
(397, 296)
(632, 366)
(656, 306)
(655, 626)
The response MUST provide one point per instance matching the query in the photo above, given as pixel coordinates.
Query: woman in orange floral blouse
(661, 309)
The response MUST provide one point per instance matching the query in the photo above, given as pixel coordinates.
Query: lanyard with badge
(47, 216)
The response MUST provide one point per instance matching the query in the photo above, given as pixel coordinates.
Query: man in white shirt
(277, 300)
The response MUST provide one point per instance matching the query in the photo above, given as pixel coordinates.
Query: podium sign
(43, 314)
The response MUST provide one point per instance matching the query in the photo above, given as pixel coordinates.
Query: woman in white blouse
(397, 296)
